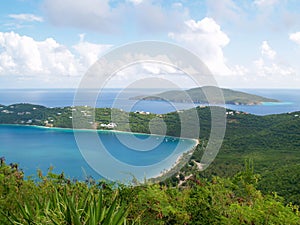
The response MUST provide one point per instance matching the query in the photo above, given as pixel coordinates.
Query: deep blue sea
(290, 100)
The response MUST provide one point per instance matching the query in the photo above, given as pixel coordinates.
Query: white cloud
(157, 69)
(89, 52)
(268, 70)
(150, 75)
(26, 17)
(295, 37)
(265, 3)
(239, 70)
(268, 65)
(23, 56)
(206, 39)
(266, 50)
(272, 69)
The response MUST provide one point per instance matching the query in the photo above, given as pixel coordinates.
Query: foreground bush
(53, 199)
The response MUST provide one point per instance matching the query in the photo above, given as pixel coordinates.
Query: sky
(245, 44)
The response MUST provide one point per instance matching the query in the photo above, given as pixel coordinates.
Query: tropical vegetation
(272, 142)
(54, 199)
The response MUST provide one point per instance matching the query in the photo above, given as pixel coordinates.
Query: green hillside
(197, 95)
(272, 142)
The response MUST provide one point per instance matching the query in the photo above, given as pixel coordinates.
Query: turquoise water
(39, 148)
(276, 103)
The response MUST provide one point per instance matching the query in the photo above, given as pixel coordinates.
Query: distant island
(197, 95)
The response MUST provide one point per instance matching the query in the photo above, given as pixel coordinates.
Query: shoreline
(181, 159)
(101, 131)
(207, 104)
(246, 107)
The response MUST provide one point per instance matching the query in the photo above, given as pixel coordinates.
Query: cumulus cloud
(25, 57)
(26, 17)
(22, 55)
(205, 38)
(295, 37)
(269, 65)
(272, 69)
(89, 52)
(267, 51)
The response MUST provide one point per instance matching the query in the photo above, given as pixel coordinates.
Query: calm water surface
(39, 148)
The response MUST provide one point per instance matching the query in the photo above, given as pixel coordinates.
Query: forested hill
(197, 95)
(272, 142)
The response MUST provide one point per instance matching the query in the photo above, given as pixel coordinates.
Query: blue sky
(245, 44)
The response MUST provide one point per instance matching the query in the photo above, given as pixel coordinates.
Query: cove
(36, 148)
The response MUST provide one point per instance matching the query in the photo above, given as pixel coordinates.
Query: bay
(36, 148)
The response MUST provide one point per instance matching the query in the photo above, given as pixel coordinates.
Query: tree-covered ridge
(54, 199)
(272, 141)
(28, 114)
(198, 95)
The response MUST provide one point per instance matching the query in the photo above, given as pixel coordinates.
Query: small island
(197, 95)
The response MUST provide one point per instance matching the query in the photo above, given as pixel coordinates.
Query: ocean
(290, 100)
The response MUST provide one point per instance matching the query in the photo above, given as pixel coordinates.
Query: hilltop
(197, 95)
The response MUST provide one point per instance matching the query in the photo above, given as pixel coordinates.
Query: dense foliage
(53, 199)
(273, 141)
